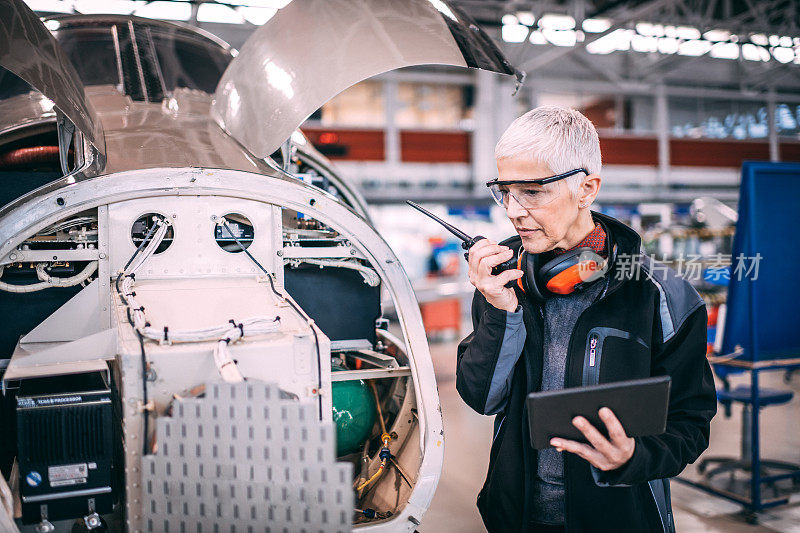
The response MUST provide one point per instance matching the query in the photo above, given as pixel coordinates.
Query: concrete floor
(468, 438)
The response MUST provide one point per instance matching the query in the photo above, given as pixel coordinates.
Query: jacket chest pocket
(614, 355)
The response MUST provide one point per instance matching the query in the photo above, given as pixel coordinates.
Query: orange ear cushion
(565, 281)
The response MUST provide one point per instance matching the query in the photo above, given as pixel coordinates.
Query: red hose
(30, 155)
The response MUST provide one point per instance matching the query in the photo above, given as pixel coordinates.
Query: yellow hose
(375, 476)
(385, 437)
(378, 405)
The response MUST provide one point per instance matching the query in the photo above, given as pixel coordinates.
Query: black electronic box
(64, 444)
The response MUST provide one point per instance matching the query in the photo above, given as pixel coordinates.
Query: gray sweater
(560, 316)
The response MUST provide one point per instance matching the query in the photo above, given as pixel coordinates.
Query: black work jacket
(647, 321)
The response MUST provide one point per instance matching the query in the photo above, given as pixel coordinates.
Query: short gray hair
(558, 137)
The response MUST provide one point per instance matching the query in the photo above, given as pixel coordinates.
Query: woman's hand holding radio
(484, 255)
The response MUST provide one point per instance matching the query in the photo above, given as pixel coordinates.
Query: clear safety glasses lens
(528, 196)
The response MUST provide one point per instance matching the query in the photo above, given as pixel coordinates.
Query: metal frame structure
(41, 208)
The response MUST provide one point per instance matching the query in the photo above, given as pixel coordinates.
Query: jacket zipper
(607, 291)
(591, 368)
(592, 349)
(567, 366)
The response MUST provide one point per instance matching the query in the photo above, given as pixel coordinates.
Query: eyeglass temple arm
(540, 181)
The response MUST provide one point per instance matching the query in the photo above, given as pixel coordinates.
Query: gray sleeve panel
(658, 489)
(510, 350)
(677, 298)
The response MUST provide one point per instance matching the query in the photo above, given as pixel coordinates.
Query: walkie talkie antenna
(467, 242)
(452, 229)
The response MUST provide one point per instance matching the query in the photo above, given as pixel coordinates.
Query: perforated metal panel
(243, 460)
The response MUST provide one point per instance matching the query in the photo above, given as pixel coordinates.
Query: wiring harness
(46, 280)
(302, 314)
(371, 277)
(224, 334)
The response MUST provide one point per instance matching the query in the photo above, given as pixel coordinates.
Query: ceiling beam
(663, 66)
(623, 19)
(581, 56)
(769, 77)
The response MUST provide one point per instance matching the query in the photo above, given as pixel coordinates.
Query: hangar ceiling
(660, 69)
(752, 46)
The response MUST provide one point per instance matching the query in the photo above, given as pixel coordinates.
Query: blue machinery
(761, 325)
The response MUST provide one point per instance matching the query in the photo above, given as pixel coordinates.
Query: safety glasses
(530, 194)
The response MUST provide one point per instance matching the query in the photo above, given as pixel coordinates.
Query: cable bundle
(224, 334)
(371, 277)
(302, 314)
(46, 280)
(67, 224)
(222, 355)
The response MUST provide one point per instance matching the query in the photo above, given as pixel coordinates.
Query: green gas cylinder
(353, 413)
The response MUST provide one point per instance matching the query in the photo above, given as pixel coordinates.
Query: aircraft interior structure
(204, 330)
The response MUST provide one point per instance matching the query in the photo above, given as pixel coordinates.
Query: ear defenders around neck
(566, 273)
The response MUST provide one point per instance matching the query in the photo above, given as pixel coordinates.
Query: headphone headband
(564, 274)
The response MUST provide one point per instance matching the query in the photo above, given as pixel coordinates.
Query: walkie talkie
(467, 242)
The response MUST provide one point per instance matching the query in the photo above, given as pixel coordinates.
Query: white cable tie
(142, 407)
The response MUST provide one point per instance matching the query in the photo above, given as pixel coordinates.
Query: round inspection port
(231, 228)
(141, 229)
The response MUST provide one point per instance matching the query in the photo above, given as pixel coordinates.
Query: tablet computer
(639, 404)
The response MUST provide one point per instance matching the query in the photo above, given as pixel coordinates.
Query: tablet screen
(640, 405)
